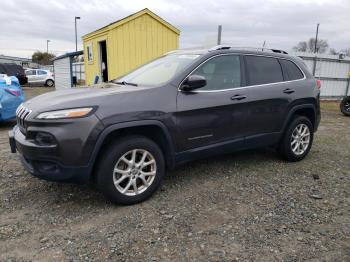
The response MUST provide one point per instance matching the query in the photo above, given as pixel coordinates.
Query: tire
(49, 83)
(112, 163)
(289, 148)
(345, 106)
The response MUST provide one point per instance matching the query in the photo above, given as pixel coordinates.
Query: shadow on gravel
(222, 165)
(75, 195)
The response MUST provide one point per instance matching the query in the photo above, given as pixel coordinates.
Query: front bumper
(41, 162)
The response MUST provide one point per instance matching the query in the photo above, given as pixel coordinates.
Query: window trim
(244, 74)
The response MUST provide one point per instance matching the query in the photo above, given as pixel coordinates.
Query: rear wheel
(130, 170)
(345, 106)
(297, 139)
(49, 83)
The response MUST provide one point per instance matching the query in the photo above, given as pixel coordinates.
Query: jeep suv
(185, 105)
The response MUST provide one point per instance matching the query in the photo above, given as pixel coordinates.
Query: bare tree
(309, 46)
(345, 51)
(333, 51)
(322, 45)
(301, 47)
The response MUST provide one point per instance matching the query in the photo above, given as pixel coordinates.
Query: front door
(31, 75)
(103, 61)
(214, 113)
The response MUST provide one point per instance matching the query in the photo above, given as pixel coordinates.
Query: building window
(89, 53)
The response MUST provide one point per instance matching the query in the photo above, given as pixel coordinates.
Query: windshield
(158, 71)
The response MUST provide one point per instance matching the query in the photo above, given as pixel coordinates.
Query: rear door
(213, 113)
(268, 97)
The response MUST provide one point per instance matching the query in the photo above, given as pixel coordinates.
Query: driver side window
(221, 72)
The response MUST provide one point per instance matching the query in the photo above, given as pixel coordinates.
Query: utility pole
(315, 51)
(47, 46)
(76, 35)
(219, 34)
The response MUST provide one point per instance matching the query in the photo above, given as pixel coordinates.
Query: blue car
(11, 96)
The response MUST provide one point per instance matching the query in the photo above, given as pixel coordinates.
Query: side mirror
(193, 82)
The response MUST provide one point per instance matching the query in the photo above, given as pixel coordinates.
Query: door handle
(238, 97)
(288, 91)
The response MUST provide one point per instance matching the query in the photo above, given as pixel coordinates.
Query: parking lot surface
(244, 206)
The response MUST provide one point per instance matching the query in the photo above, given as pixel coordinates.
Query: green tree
(43, 58)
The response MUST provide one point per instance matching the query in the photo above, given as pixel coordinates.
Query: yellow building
(119, 47)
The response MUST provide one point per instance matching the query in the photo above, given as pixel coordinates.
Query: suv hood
(78, 97)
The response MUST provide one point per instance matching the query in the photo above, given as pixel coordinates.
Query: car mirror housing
(193, 82)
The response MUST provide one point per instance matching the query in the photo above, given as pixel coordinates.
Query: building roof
(69, 55)
(129, 18)
(15, 58)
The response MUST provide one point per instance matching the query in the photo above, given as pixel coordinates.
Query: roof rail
(262, 49)
(220, 47)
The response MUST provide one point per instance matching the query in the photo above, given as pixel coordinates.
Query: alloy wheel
(347, 106)
(50, 83)
(134, 172)
(300, 139)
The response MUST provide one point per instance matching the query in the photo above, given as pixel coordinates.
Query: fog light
(45, 139)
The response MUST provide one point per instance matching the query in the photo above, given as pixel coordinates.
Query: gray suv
(123, 135)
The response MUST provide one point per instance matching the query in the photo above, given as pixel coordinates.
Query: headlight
(66, 113)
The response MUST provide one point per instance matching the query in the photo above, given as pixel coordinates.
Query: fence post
(314, 68)
(80, 73)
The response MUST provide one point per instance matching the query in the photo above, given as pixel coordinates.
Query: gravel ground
(245, 206)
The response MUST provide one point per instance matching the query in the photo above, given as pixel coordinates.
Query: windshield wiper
(125, 83)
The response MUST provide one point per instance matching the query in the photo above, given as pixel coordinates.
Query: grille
(22, 114)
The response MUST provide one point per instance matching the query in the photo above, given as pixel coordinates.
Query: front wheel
(297, 139)
(130, 170)
(345, 106)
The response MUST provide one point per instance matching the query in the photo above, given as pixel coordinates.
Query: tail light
(318, 83)
(13, 92)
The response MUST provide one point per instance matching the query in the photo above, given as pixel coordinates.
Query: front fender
(107, 131)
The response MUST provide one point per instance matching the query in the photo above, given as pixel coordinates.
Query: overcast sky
(26, 24)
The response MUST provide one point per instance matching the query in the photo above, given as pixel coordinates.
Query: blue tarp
(11, 96)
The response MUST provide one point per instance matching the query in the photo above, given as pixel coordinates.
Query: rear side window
(221, 72)
(263, 70)
(290, 70)
(41, 72)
